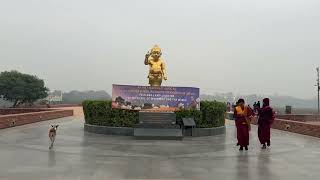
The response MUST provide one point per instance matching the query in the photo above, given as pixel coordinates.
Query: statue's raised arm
(157, 67)
(146, 59)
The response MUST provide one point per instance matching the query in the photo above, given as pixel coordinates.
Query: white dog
(52, 134)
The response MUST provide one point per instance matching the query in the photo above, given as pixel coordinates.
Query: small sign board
(188, 122)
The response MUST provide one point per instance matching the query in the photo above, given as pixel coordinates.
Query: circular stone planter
(123, 131)
(128, 131)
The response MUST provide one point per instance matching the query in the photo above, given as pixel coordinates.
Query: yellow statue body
(157, 67)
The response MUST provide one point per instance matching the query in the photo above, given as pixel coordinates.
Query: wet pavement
(24, 154)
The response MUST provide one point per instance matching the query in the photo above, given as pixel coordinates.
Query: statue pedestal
(156, 106)
(157, 125)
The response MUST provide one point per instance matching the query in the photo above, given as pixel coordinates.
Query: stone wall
(58, 105)
(12, 120)
(295, 127)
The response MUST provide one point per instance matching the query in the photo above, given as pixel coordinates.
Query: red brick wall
(58, 105)
(299, 117)
(295, 127)
(5, 111)
(11, 120)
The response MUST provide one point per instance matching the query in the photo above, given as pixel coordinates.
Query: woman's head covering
(266, 102)
(240, 101)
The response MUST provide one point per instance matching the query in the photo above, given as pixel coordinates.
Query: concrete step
(158, 134)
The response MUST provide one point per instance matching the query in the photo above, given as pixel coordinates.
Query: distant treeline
(278, 102)
(76, 97)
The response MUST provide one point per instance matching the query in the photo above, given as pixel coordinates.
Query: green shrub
(101, 113)
(211, 114)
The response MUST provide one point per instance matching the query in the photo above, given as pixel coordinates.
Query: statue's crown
(156, 48)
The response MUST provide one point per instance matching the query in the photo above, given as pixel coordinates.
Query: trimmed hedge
(101, 113)
(211, 114)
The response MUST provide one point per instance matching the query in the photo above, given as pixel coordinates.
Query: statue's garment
(156, 71)
(156, 67)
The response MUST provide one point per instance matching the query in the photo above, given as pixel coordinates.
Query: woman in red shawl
(241, 115)
(266, 117)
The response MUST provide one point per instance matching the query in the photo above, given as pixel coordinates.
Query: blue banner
(163, 98)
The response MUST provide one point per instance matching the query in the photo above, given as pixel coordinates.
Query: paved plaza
(24, 154)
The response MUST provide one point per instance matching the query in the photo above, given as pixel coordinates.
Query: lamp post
(318, 89)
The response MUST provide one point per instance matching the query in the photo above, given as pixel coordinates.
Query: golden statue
(157, 70)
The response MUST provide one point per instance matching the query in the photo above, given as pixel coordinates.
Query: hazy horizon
(202, 94)
(244, 47)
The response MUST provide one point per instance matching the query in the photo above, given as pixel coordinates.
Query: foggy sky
(247, 46)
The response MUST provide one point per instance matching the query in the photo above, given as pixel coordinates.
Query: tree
(21, 88)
